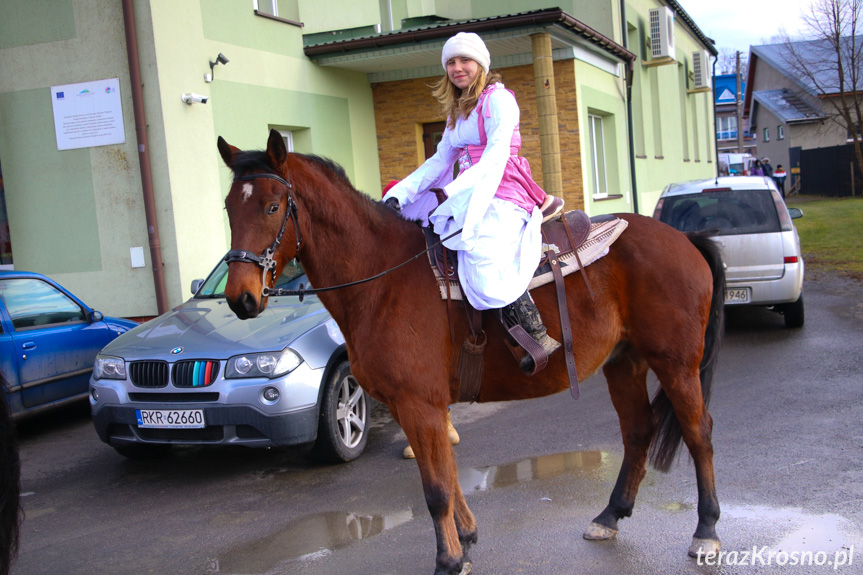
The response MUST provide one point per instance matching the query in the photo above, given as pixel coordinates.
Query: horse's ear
(226, 150)
(276, 151)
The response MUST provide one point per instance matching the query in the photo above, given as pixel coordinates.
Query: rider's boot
(524, 312)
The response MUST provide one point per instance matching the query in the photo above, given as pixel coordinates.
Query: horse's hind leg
(426, 430)
(626, 374)
(682, 387)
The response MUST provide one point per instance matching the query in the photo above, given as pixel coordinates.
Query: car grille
(149, 373)
(175, 397)
(195, 373)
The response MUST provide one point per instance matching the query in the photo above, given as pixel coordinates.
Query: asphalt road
(787, 407)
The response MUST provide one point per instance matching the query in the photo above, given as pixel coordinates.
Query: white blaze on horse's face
(247, 191)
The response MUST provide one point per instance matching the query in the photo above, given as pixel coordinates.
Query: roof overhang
(416, 53)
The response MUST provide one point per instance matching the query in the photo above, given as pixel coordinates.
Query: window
(766, 134)
(597, 156)
(33, 303)
(284, 10)
(270, 7)
(726, 127)
(288, 137)
(780, 132)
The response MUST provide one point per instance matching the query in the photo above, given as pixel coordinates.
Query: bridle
(266, 260)
(268, 263)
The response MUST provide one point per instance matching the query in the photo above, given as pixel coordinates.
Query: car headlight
(107, 367)
(268, 364)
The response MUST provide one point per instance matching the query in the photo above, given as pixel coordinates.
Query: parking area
(787, 406)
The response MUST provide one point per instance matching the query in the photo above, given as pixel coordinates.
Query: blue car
(48, 342)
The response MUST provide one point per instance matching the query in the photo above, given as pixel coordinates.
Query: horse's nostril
(247, 301)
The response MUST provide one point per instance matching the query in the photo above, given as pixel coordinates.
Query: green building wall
(75, 214)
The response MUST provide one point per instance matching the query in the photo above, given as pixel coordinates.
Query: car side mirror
(795, 213)
(96, 316)
(196, 285)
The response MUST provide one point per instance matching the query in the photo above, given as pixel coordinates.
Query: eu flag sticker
(60, 95)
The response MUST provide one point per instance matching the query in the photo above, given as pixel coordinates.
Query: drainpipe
(715, 143)
(630, 69)
(144, 157)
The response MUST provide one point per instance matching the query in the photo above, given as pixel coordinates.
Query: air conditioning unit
(662, 32)
(701, 69)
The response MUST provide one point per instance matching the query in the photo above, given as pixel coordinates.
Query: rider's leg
(525, 313)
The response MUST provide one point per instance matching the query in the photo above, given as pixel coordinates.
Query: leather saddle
(559, 237)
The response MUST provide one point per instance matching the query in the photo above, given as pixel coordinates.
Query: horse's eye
(272, 209)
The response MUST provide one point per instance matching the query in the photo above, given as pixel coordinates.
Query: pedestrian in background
(779, 178)
(765, 165)
(757, 170)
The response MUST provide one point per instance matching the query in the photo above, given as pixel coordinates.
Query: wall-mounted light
(220, 59)
(192, 98)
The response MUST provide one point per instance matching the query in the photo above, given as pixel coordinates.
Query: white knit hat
(468, 45)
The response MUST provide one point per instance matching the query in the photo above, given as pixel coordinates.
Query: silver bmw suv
(198, 375)
(760, 245)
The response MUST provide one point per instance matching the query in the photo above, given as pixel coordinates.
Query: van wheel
(793, 312)
(343, 426)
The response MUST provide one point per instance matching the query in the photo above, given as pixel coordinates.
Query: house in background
(787, 112)
(725, 94)
(615, 97)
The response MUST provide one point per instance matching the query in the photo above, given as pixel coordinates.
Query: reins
(268, 263)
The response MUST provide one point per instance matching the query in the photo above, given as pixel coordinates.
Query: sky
(737, 24)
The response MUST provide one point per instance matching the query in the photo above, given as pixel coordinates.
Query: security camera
(192, 98)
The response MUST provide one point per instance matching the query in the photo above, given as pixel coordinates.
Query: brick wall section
(401, 106)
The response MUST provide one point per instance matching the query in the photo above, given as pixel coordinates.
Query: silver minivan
(760, 245)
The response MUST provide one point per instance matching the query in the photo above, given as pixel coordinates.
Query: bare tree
(829, 60)
(727, 61)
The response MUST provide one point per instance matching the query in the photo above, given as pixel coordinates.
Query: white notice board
(88, 114)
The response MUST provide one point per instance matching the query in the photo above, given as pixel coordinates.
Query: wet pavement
(788, 437)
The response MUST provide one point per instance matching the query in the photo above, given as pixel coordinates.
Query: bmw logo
(176, 350)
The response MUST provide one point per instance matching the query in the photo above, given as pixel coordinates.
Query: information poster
(88, 114)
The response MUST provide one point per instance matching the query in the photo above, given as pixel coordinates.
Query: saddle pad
(601, 236)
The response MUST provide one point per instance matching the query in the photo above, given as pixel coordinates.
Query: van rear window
(724, 213)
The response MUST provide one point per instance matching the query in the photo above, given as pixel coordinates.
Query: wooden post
(546, 103)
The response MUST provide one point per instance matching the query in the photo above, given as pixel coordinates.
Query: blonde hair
(456, 102)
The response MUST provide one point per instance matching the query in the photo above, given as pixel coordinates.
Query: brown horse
(657, 306)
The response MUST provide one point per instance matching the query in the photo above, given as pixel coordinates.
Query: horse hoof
(597, 532)
(704, 547)
(466, 568)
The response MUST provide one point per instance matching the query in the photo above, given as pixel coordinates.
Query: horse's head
(263, 220)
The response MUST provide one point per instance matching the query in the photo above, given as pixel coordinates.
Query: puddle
(803, 531)
(594, 464)
(306, 539)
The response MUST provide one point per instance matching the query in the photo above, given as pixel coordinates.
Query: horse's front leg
(425, 427)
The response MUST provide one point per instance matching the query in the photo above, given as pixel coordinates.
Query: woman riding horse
(494, 201)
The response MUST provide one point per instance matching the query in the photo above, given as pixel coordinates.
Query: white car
(760, 245)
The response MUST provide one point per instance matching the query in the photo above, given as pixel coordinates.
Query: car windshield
(723, 212)
(214, 286)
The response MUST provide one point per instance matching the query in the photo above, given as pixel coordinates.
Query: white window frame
(600, 188)
(273, 4)
(766, 134)
(780, 132)
(288, 137)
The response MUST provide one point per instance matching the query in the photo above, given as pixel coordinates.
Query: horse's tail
(668, 432)
(10, 487)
